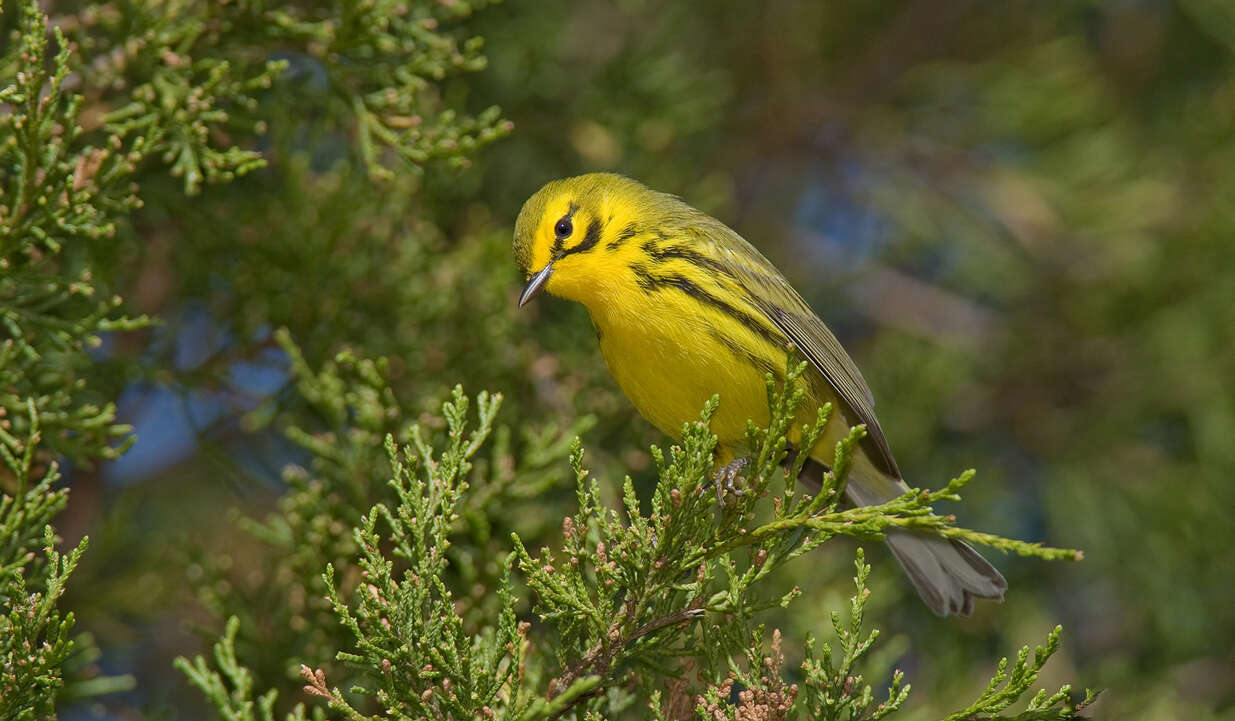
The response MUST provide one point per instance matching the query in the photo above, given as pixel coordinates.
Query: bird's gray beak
(536, 285)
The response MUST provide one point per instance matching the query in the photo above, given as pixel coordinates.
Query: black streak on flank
(746, 356)
(630, 231)
(590, 239)
(643, 277)
(687, 255)
(652, 283)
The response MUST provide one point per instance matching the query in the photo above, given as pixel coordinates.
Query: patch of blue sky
(166, 422)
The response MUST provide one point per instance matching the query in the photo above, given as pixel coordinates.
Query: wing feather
(772, 294)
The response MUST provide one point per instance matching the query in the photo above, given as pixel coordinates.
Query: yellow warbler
(684, 309)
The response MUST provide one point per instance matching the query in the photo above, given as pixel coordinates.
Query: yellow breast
(668, 364)
(669, 360)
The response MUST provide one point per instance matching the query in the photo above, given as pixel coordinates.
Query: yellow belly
(670, 364)
(669, 376)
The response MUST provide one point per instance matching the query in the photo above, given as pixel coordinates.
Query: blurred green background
(1019, 217)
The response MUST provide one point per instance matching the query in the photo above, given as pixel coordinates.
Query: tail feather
(947, 574)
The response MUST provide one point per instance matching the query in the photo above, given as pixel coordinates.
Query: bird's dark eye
(563, 228)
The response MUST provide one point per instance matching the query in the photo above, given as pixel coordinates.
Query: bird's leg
(727, 476)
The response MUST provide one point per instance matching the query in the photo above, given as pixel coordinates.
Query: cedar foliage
(298, 173)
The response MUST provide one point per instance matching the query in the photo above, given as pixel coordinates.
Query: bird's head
(567, 236)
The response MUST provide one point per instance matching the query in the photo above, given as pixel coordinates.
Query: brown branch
(599, 658)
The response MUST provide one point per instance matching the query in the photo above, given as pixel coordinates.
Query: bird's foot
(728, 477)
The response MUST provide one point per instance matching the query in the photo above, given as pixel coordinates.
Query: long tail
(948, 574)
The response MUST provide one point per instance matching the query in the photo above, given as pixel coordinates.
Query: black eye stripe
(590, 239)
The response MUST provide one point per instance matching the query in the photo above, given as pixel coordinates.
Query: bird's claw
(726, 480)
